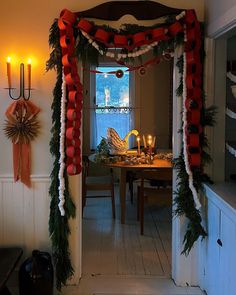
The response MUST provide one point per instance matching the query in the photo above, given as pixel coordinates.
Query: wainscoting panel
(24, 214)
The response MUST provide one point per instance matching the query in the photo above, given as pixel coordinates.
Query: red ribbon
(193, 140)
(74, 87)
(195, 160)
(139, 39)
(22, 152)
(120, 40)
(193, 101)
(175, 28)
(102, 36)
(85, 25)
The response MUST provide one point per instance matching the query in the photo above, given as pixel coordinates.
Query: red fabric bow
(21, 151)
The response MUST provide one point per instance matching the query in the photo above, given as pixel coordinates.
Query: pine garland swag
(58, 225)
(185, 206)
(183, 196)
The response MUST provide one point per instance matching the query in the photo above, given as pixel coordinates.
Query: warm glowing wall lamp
(22, 80)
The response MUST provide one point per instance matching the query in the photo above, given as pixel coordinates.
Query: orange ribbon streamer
(22, 151)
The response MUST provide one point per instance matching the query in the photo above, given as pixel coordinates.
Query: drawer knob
(219, 242)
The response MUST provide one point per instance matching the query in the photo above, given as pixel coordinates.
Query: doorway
(179, 224)
(112, 248)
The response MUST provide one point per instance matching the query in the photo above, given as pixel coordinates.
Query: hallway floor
(117, 260)
(125, 285)
(111, 248)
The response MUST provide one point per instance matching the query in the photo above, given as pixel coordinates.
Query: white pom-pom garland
(62, 148)
(142, 51)
(186, 159)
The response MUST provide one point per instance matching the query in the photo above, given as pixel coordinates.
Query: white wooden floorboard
(137, 250)
(91, 262)
(118, 285)
(164, 262)
(110, 248)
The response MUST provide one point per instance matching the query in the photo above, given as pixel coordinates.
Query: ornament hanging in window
(119, 73)
(142, 71)
(167, 55)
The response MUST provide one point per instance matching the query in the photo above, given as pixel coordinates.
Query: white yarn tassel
(62, 148)
(186, 160)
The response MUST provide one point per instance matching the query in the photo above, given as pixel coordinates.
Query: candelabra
(22, 94)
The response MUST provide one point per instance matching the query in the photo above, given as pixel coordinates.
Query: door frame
(184, 268)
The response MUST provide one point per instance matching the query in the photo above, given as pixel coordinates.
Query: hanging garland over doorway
(75, 40)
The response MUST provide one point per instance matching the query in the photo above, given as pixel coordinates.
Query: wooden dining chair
(130, 178)
(162, 192)
(97, 183)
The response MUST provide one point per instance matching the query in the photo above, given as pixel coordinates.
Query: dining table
(124, 167)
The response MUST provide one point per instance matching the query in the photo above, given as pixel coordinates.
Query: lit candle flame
(29, 72)
(138, 140)
(9, 71)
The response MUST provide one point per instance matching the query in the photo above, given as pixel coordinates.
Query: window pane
(112, 92)
(119, 121)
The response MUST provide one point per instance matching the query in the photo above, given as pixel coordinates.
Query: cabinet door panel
(213, 251)
(228, 256)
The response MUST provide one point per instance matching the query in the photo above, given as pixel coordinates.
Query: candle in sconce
(149, 144)
(138, 141)
(9, 71)
(29, 72)
(149, 140)
(144, 141)
(154, 141)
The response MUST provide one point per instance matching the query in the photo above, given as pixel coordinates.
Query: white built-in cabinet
(219, 264)
(212, 249)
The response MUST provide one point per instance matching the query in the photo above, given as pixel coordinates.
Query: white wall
(220, 25)
(23, 214)
(24, 32)
(154, 93)
(220, 16)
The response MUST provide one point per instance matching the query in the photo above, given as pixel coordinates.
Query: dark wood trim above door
(141, 10)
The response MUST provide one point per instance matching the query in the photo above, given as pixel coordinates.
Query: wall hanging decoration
(23, 90)
(21, 127)
(74, 39)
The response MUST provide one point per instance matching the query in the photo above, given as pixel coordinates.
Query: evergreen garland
(87, 53)
(183, 196)
(58, 225)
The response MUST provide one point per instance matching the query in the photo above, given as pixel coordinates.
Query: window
(112, 103)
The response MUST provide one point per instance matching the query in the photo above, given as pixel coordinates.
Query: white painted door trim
(184, 270)
(183, 267)
(222, 24)
(75, 239)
